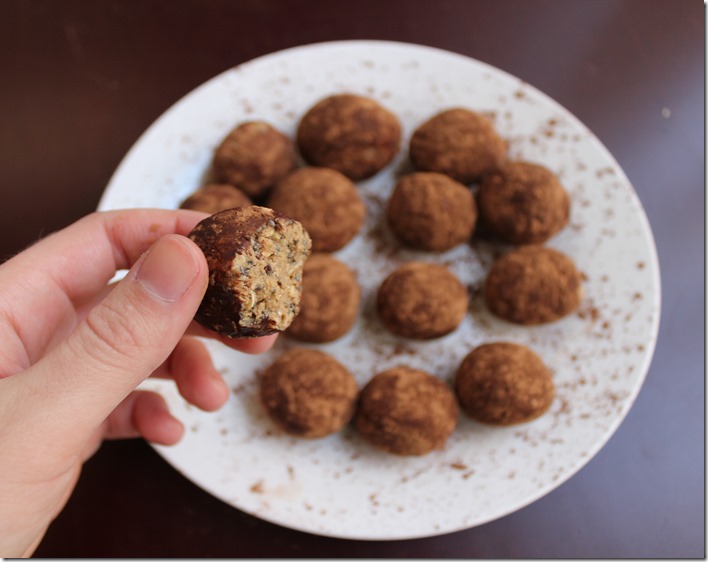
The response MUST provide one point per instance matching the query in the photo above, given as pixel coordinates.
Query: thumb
(127, 336)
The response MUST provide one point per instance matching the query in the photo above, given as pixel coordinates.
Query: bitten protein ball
(255, 259)
(422, 301)
(215, 197)
(459, 143)
(325, 202)
(523, 203)
(406, 412)
(330, 301)
(352, 134)
(503, 384)
(533, 285)
(308, 393)
(253, 157)
(431, 211)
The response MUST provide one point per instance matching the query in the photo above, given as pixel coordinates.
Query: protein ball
(308, 393)
(533, 285)
(503, 384)
(523, 203)
(422, 301)
(255, 259)
(252, 157)
(215, 197)
(330, 301)
(352, 134)
(325, 202)
(459, 143)
(431, 211)
(406, 412)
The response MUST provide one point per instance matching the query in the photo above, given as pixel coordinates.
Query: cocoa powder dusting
(351, 134)
(326, 203)
(431, 211)
(533, 285)
(523, 203)
(216, 197)
(406, 412)
(252, 157)
(503, 384)
(422, 301)
(460, 143)
(308, 393)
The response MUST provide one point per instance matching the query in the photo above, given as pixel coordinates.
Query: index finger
(81, 258)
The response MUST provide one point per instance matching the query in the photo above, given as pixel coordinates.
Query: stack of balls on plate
(260, 260)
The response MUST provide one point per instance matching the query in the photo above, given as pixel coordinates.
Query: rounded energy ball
(325, 202)
(255, 259)
(422, 301)
(406, 412)
(352, 134)
(308, 393)
(533, 285)
(503, 384)
(523, 203)
(431, 211)
(215, 197)
(458, 142)
(330, 301)
(252, 157)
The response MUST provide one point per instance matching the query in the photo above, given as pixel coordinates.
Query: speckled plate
(339, 486)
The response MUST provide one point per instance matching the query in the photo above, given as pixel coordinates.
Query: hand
(73, 349)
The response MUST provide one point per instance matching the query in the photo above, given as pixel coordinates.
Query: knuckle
(110, 334)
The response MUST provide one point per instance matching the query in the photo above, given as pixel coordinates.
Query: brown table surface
(81, 80)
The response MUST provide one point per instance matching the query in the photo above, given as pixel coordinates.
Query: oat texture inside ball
(269, 272)
(255, 258)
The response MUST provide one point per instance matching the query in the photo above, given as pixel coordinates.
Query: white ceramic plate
(339, 486)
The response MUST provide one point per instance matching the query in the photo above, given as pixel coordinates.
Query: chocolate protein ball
(533, 285)
(252, 157)
(330, 301)
(352, 134)
(325, 202)
(255, 259)
(523, 203)
(422, 301)
(406, 412)
(431, 211)
(503, 384)
(215, 197)
(308, 393)
(458, 142)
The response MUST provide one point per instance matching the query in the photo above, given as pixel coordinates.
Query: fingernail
(168, 270)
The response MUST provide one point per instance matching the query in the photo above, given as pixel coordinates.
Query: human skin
(74, 348)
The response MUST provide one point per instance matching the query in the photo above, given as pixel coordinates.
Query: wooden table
(80, 81)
